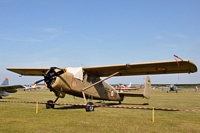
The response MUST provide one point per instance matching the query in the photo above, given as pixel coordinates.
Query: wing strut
(99, 82)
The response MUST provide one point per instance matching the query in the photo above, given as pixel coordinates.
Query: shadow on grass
(122, 104)
(61, 107)
(12, 98)
(64, 107)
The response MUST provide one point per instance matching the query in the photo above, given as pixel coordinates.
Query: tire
(89, 107)
(50, 104)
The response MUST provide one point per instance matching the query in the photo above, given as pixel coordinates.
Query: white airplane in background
(30, 87)
(5, 88)
(122, 88)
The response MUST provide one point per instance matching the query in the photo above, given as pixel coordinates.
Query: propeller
(50, 77)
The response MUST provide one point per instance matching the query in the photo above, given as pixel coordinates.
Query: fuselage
(67, 84)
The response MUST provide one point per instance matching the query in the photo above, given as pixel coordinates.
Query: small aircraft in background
(174, 87)
(86, 82)
(123, 87)
(5, 88)
(30, 87)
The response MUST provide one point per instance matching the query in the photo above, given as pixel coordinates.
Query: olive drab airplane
(5, 88)
(86, 82)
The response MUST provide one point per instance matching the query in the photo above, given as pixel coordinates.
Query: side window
(89, 78)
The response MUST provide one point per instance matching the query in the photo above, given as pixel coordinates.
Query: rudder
(5, 82)
(147, 88)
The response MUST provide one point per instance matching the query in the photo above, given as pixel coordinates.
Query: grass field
(22, 117)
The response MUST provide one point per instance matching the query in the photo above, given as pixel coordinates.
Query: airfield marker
(36, 111)
(153, 114)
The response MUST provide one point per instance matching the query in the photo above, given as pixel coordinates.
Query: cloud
(53, 32)
(181, 36)
(22, 40)
(50, 30)
(158, 37)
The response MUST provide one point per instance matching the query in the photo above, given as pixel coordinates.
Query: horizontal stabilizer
(128, 94)
(146, 93)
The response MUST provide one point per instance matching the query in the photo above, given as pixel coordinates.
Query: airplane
(30, 87)
(122, 88)
(5, 88)
(85, 82)
(174, 87)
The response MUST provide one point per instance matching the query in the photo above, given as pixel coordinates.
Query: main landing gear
(51, 104)
(89, 107)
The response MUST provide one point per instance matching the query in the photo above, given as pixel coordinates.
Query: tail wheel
(50, 104)
(89, 107)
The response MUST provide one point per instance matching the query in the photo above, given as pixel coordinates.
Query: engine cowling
(60, 84)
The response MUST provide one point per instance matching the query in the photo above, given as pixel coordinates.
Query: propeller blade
(38, 81)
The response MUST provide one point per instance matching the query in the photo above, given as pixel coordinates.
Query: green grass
(22, 117)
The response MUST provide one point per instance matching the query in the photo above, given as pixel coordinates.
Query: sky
(74, 33)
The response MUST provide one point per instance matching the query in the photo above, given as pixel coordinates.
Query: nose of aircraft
(50, 76)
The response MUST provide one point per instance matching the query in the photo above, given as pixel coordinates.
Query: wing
(163, 67)
(10, 88)
(29, 71)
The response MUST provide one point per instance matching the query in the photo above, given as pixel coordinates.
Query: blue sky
(66, 33)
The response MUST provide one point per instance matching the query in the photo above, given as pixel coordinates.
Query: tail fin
(34, 86)
(5, 82)
(129, 85)
(147, 88)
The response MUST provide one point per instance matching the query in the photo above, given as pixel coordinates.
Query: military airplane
(85, 82)
(5, 88)
(174, 87)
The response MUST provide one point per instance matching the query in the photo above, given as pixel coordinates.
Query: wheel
(0, 97)
(89, 107)
(49, 104)
(167, 91)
